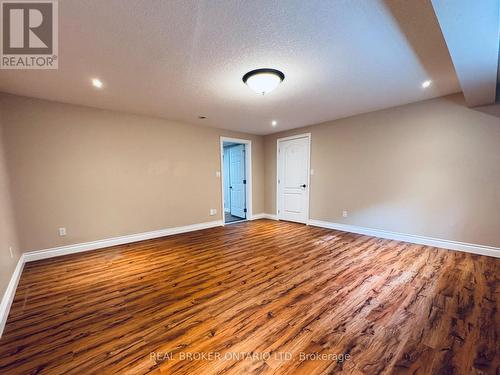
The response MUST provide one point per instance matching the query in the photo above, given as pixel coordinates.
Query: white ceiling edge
(471, 31)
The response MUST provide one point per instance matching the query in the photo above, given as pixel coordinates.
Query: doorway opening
(236, 179)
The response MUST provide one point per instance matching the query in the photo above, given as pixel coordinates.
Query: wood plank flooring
(260, 297)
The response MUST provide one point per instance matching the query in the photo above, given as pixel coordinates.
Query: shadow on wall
(492, 110)
(9, 239)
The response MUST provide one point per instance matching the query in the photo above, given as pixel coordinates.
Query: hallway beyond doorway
(236, 179)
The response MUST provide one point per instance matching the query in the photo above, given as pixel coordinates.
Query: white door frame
(248, 173)
(304, 135)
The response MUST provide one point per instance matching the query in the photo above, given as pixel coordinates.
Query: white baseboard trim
(10, 292)
(264, 216)
(87, 246)
(31, 256)
(420, 240)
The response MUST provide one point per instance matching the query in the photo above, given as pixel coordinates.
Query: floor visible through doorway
(228, 218)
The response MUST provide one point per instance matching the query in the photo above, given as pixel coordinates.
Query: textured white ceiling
(181, 59)
(471, 31)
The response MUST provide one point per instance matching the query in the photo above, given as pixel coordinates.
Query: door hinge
(244, 210)
(244, 181)
(279, 181)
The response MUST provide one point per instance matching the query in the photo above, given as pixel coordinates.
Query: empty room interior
(250, 187)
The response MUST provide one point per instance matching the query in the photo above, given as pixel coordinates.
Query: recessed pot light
(426, 84)
(263, 81)
(96, 82)
(274, 123)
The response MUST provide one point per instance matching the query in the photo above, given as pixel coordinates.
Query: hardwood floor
(261, 295)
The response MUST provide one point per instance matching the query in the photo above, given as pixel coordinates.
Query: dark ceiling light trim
(263, 70)
(263, 80)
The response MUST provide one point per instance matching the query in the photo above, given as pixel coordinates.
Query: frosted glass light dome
(263, 81)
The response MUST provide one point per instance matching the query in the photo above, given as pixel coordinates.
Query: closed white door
(237, 180)
(293, 178)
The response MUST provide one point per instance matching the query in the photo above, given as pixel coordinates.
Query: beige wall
(430, 168)
(8, 236)
(104, 174)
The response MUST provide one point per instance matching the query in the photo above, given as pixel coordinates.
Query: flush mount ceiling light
(426, 84)
(263, 81)
(96, 82)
